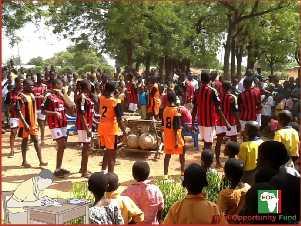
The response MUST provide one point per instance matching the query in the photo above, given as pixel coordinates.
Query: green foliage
(37, 61)
(172, 192)
(80, 191)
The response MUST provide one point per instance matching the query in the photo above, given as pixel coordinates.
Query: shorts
(207, 133)
(14, 123)
(25, 133)
(58, 133)
(108, 141)
(41, 116)
(258, 119)
(83, 136)
(133, 107)
(223, 129)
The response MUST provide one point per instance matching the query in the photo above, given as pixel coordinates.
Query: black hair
(46, 174)
(213, 75)
(112, 182)
(57, 81)
(285, 117)
(85, 84)
(227, 85)
(205, 77)
(247, 83)
(98, 184)
(234, 169)
(273, 152)
(140, 171)
(232, 149)
(194, 179)
(207, 157)
(171, 97)
(110, 87)
(18, 79)
(27, 82)
(252, 129)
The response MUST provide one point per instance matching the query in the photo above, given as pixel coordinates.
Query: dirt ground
(13, 174)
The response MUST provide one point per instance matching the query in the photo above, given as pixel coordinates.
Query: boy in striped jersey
(229, 108)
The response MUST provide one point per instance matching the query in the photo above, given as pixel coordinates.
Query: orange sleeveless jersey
(29, 110)
(169, 114)
(108, 121)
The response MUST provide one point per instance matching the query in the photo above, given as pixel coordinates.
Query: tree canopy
(172, 35)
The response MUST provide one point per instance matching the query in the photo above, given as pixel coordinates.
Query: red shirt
(186, 117)
(189, 92)
(259, 92)
(12, 99)
(207, 100)
(39, 92)
(50, 84)
(229, 106)
(57, 104)
(132, 95)
(218, 85)
(249, 103)
(84, 106)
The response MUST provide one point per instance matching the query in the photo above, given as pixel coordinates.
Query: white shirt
(241, 85)
(195, 84)
(267, 105)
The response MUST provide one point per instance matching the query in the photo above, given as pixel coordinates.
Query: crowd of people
(256, 118)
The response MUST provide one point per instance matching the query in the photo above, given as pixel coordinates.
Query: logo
(269, 201)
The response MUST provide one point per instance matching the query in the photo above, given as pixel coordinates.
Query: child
(173, 140)
(27, 112)
(194, 208)
(84, 120)
(207, 157)
(248, 151)
(231, 149)
(143, 101)
(230, 198)
(147, 196)
(103, 211)
(287, 135)
(110, 122)
(131, 214)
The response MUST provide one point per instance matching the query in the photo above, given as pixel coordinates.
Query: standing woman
(154, 102)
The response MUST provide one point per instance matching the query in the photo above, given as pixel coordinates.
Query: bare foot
(26, 165)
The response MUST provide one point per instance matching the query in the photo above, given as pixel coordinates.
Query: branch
(253, 14)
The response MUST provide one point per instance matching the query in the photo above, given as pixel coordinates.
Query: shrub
(172, 192)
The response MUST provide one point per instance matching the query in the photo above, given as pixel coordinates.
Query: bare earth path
(13, 174)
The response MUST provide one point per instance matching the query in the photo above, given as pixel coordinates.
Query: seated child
(194, 208)
(229, 198)
(248, 151)
(104, 211)
(231, 149)
(129, 211)
(147, 196)
(207, 157)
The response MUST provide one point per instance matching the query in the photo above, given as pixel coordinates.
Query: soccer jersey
(12, 99)
(27, 105)
(110, 110)
(290, 138)
(207, 101)
(229, 107)
(154, 100)
(189, 92)
(56, 104)
(132, 95)
(249, 104)
(171, 124)
(39, 91)
(84, 106)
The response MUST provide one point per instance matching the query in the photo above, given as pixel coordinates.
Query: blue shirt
(143, 98)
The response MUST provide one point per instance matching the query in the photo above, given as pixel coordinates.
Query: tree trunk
(239, 60)
(271, 64)
(251, 55)
(233, 57)
(130, 56)
(231, 30)
(147, 65)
